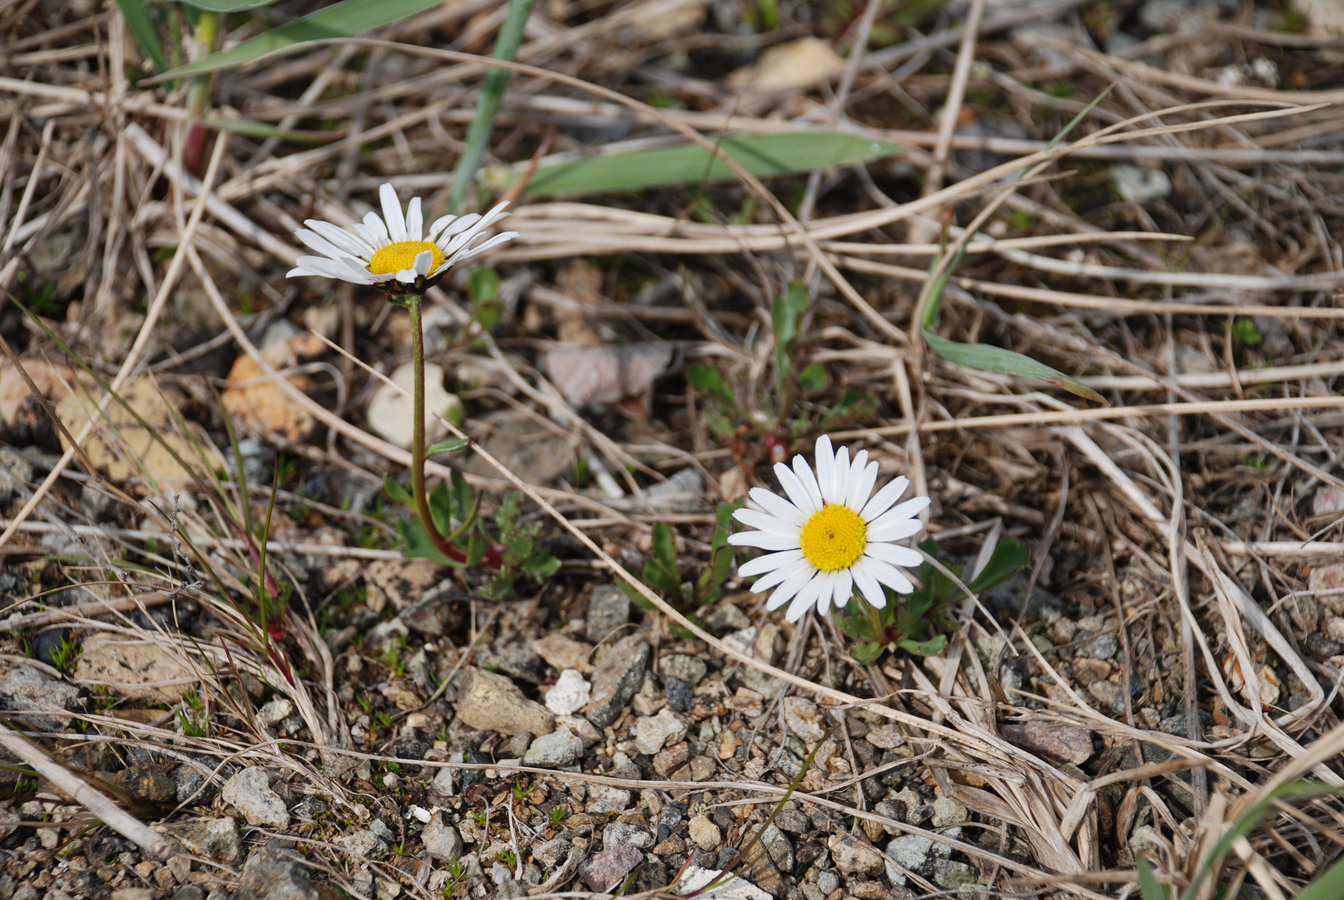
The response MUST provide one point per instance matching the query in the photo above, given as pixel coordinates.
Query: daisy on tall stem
(830, 535)
(396, 252)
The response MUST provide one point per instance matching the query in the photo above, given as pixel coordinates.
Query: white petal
(423, 260)
(452, 225)
(768, 563)
(778, 507)
(841, 590)
(407, 276)
(893, 529)
(396, 225)
(883, 499)
(825, 469)
(797, 494)
(314, 241)
(764, 540)
(894, 554)
(805, 599)
(369, 235)
(798, 570)
(904, 512)
(868, 585)
(377, 228)
(889, 575)
(765, 522)
(415, 220)
(466, 253)
(808, 479)
(789, 589)
(351, 244)
(862, 477)
(329, 268)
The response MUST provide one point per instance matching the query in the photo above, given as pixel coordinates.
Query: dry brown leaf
(608, 374)
(257, 404)
(797, 64)
(18, 406)
(143, 442)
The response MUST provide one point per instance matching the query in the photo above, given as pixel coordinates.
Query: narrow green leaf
(398, 493)
(813, 378)
(865, 653)
(763, 155)
(1007, 559)
(419, 546)
(447, 445)
(136, 14)
(989, 358)
(708, 380)
(932, 647)
(786, 317)
(341, 20)
(1149, 887)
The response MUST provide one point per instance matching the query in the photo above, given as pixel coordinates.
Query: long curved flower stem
(412, 303)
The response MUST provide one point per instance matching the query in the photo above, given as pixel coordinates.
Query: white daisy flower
(392, 246)
(831, 535)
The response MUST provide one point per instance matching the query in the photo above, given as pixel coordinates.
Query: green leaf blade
(341, 20)
(763, 155)
(989, 358)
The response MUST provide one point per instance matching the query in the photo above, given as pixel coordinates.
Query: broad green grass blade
(989, 358)
(142, 29)
(227, 6)
(339, 21)
(492, 92)
(762, 155)
(1328, 886)
(1149, 887)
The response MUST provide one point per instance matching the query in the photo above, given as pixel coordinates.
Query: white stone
(570, 694)
(250, 794)
(733, 888)
(704, 833)
(1140, 185)
(390, 409)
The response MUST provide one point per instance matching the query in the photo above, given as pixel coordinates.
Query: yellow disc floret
(834, 538)
(400, 255)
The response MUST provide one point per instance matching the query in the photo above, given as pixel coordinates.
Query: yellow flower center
(401, 255)
(834, 538)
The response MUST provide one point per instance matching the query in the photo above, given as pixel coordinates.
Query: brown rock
(854, 856)
(138, 669)
(489, 701)
(1055, 741)
(564, 652)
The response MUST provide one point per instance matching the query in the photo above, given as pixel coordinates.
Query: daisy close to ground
(831, 535)
(396, 247)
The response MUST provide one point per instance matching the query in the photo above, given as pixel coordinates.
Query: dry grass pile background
(1192, 525)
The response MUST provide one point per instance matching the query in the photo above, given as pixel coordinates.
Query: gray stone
(947, 813)
(827, 882)
(187, 780)
(953, 875)
(215, 839)
(683, 667)
(604, 871)
(362, 844)
(723, 618)
(652, 732)
(603, 798)
(489, 701)
(908, 851)
(619, 673)
(250, 794)
(40, 698)
(148, 783)
(442, 842)
(617, 834)
(269, 875)
(608, 612)
(1103, 646)
(556, 750)
(680, 694)
(551, 853)
(683, 491)
(854, 856)
(803, 718)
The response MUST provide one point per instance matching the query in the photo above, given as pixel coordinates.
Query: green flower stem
(879, 627)
(494, 555)
(412, 304)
